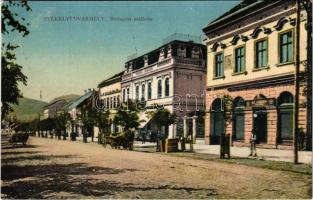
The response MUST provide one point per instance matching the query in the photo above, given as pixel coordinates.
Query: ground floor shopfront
(267, 110)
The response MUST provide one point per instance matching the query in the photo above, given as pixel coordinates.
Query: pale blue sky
(66, 57)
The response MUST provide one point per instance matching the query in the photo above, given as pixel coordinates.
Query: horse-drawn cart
(19, 138)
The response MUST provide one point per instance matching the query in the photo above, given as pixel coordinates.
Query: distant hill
(68, 98)
(28, 109)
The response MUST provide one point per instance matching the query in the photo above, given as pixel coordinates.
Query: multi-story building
(251, 57)
(110, 94)
(172, 76)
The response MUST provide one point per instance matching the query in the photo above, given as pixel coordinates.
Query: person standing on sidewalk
(253, 144)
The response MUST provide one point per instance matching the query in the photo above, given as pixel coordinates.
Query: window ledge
(239, 73)
(285, 63)
(218, 77)
(261, 68)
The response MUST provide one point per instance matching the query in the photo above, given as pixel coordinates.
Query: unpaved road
(50, 168)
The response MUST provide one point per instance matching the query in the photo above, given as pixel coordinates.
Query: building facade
(251, 58)
(79, 106)
(50, 110)
(110, 96)
(172, 76)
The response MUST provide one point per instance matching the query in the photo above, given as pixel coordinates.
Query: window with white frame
(167, 87)
(137, 92)
(143, 90)
(159, 88)
(149, 91)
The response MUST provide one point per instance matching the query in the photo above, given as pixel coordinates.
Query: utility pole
(308, 8)
(307, 4)
(297, 85)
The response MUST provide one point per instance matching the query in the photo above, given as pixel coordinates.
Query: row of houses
(248, 54)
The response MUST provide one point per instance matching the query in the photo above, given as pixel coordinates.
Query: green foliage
(11, 76)
(47, 124)
(11, 71)
(228, 108)
(101, 119)
(87, 117)
(162, 117)
(11, 20)
(61, 121)
(127, 115)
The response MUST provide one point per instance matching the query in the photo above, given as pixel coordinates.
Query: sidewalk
(243, 152)
(266, 154)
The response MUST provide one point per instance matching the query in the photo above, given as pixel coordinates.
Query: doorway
(217, 122)
(260, 125)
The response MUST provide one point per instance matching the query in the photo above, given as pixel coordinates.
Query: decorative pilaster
(271, 126)
(248, 125)
(207, 129)
(194, 127)
(174, 130)
(185, 126)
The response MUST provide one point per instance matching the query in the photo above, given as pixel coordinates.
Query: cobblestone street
(50, 168)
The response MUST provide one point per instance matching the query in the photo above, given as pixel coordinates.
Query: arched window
(143, 91)
(137, 92)
(103, 102)
(149, 91)
(285, 98)
(160, 88)
(259, 96)
(239, 103)
(285, 117)
(127, 93)
(217, 105)
(118, 100)
(108, 103)
(167, 87)
(124, 95)
(238, 119)
(114, 103)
